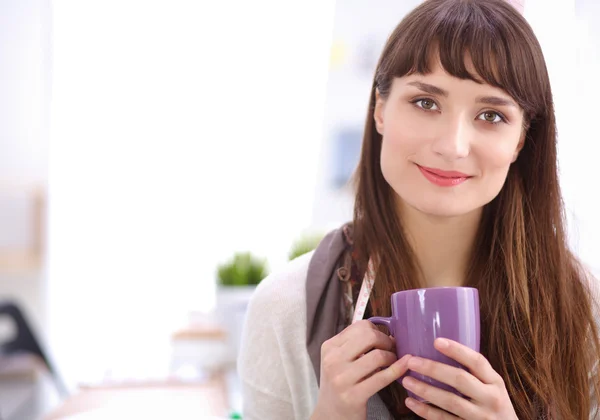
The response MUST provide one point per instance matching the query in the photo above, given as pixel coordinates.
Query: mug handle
(382, 320)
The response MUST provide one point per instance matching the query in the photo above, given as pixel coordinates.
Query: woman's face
(447, 143)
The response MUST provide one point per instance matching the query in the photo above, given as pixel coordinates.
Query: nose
(454, 140)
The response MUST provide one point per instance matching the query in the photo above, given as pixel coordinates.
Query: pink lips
(443, 178)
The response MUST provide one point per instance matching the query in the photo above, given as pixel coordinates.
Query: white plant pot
(232, 304)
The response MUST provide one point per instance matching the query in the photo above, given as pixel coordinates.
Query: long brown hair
(538, 327)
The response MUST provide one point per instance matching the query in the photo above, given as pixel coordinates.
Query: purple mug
(420, 316)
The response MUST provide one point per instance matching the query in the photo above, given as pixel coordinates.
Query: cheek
(495, 158)
(396, 150)
(494, 164)
(402, 138)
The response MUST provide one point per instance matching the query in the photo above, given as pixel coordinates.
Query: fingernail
(442, 343)
(410, 403)
(414, 362)
(408, 382)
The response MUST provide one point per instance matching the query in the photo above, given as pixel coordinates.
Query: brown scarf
(323, 295)
(329, 268)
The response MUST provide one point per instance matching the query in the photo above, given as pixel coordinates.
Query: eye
(426, 104)
(491, 117)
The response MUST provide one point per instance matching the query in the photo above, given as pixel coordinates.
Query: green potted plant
(304, 244)
(244, 269)
(237, 279)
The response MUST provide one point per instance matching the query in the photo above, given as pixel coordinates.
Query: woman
(457, 185)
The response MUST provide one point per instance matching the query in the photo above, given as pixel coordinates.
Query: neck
(442, 245)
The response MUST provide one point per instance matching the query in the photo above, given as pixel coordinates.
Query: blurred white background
(182, 131)
(170, 134)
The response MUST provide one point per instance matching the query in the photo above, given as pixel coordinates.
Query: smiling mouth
(443, 178)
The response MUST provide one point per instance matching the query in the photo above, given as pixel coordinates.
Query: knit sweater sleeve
(278, 381)
(260, 405)
(266, 393)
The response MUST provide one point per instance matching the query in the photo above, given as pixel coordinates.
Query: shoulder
(272, 365)
(276, 315)
(283, 291)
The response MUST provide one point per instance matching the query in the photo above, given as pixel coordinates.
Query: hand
(355, 364)
(483, 386)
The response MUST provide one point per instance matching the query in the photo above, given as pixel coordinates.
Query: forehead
(435, 70)
(434, 65)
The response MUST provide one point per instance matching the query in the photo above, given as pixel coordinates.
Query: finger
(457, 378)
(474, 361)
(363, 339)
(440, 398)
(393, 343)
(369, 364)
(380, 380)
(350, 333)
(427, 411)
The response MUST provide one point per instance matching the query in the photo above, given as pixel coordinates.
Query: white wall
(182, 131)
(24, 76)
(24, 117)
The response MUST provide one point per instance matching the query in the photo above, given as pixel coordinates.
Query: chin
(444, 211)
(442, 208)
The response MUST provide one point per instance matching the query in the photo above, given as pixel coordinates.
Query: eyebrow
(489, 100)
(495, 100)
(426, 87)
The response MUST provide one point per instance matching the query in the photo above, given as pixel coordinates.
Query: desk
(167, 400)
